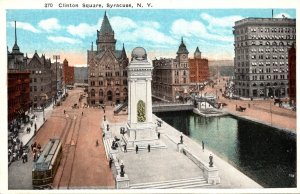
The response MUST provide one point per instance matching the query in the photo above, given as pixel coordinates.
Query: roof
(182, 48)
(45, 159)
(106, 27)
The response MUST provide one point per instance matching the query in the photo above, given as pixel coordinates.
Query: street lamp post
(271, 111)
(56, 57)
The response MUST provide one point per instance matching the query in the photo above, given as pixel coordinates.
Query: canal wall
(230, 177)
(290, 132)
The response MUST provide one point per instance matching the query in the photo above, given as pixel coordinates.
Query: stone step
(182, 183)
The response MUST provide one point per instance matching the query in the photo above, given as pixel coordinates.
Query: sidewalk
(38, 120)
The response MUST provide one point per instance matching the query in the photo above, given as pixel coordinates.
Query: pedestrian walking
(158, 135)
(64, 111)
(97, 143)
(110, 162)
(203, 146)
(23, 157)
(81, 113)
(125, 147)
(35, 126)
(148, 147)
(26, 157)
(136, 149)
(14, 156)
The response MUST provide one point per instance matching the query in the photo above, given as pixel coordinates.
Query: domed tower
(182, 54)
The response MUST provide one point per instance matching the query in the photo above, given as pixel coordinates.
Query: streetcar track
(74, 154)
(66, 148)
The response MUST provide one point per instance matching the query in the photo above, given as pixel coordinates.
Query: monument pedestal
(122, 182)
(211, 174)
(141, 135)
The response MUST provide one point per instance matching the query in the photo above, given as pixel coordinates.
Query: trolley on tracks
(44, 169)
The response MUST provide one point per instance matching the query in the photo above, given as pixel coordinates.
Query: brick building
(199, 71)
(68, 73)
(292, 73)
(171, 77)
(107, 74)
(41, 92)
(18, 94)
(261, 56)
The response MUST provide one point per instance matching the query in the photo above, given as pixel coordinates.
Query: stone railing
(211, 174)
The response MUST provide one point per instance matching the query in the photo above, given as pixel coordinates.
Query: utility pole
(56, 57)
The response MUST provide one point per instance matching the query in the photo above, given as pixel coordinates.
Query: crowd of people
(16, 149)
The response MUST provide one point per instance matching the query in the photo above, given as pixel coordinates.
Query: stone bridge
(168, 107)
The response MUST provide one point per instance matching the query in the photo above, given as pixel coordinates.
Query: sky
(70, 33)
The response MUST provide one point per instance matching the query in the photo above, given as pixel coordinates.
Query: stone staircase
(189, 183)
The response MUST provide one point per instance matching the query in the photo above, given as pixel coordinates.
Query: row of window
(268, 77)
(108, 74)
(109, 93)
(267, 50)
(268, 63)
(262, 43)
(177, 73)
(108, 82)
(266, 30)
(261, 70)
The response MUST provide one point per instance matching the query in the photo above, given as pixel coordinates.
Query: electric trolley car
(44, 169)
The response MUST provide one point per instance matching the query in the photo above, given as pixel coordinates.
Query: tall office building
(261, 56)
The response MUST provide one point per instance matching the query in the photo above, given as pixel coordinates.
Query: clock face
(183, 56)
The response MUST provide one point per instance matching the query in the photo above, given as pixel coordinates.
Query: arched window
(92, 92)
(125, 91)
(100, 92)
(117, 92)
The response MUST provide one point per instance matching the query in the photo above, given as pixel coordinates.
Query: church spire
(123, 54)
(106, 27)
(16, 48)
(15, 32)
(106, 36)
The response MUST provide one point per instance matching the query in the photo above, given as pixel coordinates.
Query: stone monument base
(142, 135)
(122, 182)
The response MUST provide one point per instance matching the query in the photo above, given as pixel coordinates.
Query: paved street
(262, 111)
(83, 164)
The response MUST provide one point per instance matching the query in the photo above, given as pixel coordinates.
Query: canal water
(265, 154)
